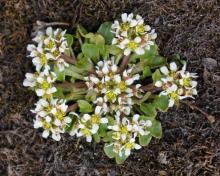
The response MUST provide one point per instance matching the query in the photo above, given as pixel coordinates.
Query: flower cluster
(50, 47)
(125, 132)
(132, 35)
(51, 116)
(107, 93)
(177, 84)
(41, 82)
(88, 125)
(50, 112)
(114, 91)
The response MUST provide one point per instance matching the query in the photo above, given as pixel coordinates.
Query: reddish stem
(124, 64)
(151, 88)
(72, 107)
(71, 85)
(71, 60)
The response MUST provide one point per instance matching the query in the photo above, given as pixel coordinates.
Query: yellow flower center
(43, 59)
(116, 135)
(60, 115)
(174, 96)
(122, 86)
(56, 53)
(123, 129)
(129, 145)
(125, 26)
(140, 29)
(132, 45)
(95, 119)
(58, 36)
(110, 84)
(99, 86)
(111, 96)
(187, 82)
(46, 125)
(173, 74)
(110, 74)
(45, 85)
(50, 44)
(86, 131)
(48, 108)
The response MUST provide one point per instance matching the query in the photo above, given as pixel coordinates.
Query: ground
(190, 144)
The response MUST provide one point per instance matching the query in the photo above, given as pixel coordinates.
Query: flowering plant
(105, 86)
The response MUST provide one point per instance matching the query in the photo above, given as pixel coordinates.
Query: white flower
(44, 83)
(114, 91)
(43, 108)
(51, 46)
(177, 85)
(30, 80)
(141, 126)
(129, 146)
(88, 125)
(51, 116)
(40, 58)
(142, 37)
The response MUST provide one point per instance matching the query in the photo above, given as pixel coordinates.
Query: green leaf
(114, 50)
(76, 75)
(58, 93)
(111, 120)
(145, 139)
(103, 50)
(60, 74)
(161, 103)
(70, 125)
(108, 149)
(89, 35)
(84, 64)
(91, 95)
(151, 52)
(145, 97)
(108, 136)
(97, 39)
(84, 106)
(121, 159)
(148, 109)
(156, 76)
(156, 129)
(103, 130)
(69, 39)
(75, 94)
(146, 72)
(105, 31)
(75, 72)
(82, 31)
(155, 61)
(90, 51)
(96, 137)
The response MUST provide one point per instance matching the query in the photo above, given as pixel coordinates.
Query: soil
(190, 144)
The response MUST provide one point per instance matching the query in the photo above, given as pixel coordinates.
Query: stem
(72, 107)
(92, 71)
(71, 60)
(42, 24)
(151, 88)
(68, 85)
(210, 118)
(124, 64)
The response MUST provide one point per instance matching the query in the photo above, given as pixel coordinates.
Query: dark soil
(190, 143)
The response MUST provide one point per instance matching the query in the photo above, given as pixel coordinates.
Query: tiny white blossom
(177, 85)
(142, 37)
(51, 116)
